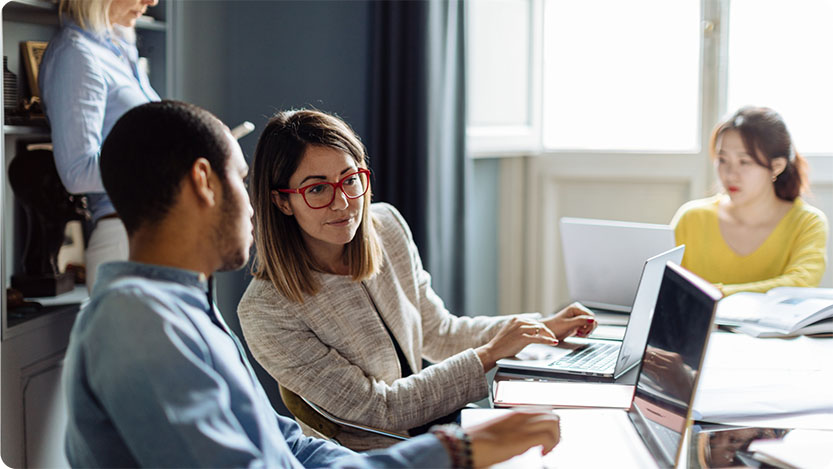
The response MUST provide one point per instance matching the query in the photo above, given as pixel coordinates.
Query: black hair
(150, 151)
(765, 137)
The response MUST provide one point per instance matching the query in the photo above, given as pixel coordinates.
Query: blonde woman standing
(89, 77)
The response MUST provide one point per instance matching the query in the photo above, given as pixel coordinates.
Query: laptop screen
(603, 259)
(633, 343)
(673, 355)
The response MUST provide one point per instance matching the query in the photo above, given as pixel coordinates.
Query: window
(499, 96)
(779, 56)
(621, 75)
(549, 76)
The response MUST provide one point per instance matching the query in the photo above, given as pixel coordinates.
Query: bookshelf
(33, 341)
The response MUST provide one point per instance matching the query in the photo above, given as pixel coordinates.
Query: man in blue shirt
(153, 375)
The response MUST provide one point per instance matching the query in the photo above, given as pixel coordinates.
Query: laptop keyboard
(592, 357)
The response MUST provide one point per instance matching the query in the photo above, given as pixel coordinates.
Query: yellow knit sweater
(794, 254)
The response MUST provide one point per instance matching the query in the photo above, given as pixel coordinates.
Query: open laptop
(602, 259)
(650, 433)
(599, 358)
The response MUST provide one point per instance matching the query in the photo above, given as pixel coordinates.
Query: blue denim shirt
(87, 82)
(154, 378)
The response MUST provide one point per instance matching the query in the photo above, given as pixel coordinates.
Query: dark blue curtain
(416, 137)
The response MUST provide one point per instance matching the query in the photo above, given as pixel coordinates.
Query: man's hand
(512, 434)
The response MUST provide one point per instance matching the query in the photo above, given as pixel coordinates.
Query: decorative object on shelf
(32, 54)
(48, 207)
(71, 257)
(9, 88)
(14, 298)
(79, 273)
(17, 306)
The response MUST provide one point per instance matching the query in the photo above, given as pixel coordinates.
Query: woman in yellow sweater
(758, 233)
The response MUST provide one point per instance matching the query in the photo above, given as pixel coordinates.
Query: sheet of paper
(799, 448)
(583, 433)
(562, 394)
(747, 377)
(815, 421)
(598, 438)
(803, 395)
(728, 351)
(802, 292)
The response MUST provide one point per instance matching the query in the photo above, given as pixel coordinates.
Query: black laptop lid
(673, 356)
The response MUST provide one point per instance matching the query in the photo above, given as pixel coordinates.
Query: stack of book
(780, 312)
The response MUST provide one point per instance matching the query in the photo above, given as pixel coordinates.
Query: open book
(780, 312)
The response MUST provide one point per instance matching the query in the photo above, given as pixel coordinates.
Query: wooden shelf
(31, 11)
(25, 130)
(15, 321)
(52, 309)
(33, 4)
(78, 294)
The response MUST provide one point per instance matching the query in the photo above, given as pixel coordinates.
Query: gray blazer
(334, 350)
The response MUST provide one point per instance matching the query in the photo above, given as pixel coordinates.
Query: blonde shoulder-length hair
(281, 254)
(91, 15)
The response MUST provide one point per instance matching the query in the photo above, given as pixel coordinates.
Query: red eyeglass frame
(336, 186)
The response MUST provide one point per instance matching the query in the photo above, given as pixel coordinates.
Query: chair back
(322, 421)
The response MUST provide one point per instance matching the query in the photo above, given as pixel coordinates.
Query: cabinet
(32, 347)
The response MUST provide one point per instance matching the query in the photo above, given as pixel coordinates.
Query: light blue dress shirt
(87, 82)
(155, 378)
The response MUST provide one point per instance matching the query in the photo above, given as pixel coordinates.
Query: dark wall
(245, 60)
(482, 247)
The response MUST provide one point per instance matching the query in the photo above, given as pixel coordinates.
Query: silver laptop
(599, 358)
(650, 433)
(602, 259)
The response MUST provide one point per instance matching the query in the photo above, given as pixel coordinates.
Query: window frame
(527, 140)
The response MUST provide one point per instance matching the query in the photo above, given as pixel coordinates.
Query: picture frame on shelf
(32, 53)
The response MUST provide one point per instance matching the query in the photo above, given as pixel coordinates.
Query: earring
(774, 177)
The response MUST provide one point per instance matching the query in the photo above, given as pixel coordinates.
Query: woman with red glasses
(341, 311)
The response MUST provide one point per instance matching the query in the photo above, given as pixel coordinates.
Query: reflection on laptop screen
(676, 344)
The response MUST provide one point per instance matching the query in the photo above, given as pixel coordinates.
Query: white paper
(799, 448)
(802, 292)
(815, 421)
(745, 377)
(589, 438)
(562, 394)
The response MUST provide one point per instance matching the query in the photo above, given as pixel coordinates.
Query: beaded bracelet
(457, 442)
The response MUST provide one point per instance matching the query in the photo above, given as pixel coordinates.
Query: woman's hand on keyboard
(512, 338)
(572, 320)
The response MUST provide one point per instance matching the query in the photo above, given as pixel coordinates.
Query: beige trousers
(108, 242)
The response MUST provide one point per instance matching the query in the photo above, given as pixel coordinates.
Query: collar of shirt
(115, 42)
(112, 271)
